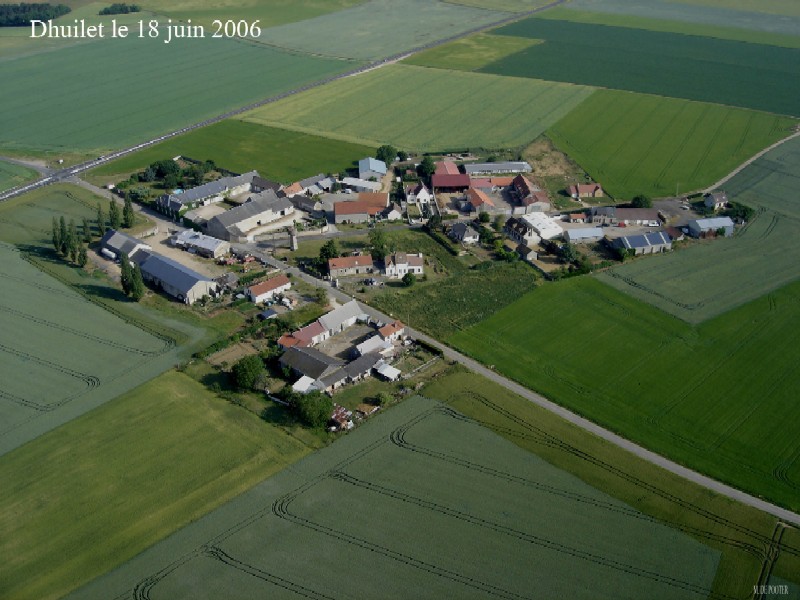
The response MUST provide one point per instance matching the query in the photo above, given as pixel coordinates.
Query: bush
(245, 373)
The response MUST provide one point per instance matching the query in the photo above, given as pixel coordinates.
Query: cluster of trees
(739, 211)
(170, 174)
(116, 218)
(21, 15)
(119, 8)
(387, 153)
(641, 201)
(131, 278)
(70, 244)
(426, 168)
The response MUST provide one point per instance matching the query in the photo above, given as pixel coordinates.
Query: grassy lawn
(665, 64)
(12, 174)
(239, 146)
(738, 532)
(377, 108)
(470, 53)
(716, 397)
(418, 462)
(654, 146)
(98, 107)
(88, 496)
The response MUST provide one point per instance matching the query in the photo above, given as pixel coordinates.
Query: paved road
(562, 412)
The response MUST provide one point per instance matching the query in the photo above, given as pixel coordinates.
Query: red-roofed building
(356, 211)
(587, 190)
(446, 167)
(450, 183)
(350, 265)
(529, 196)
(305, 336)
(374, 198)
(477, 201)
(266, 290)
(293, 189)
(392, 331)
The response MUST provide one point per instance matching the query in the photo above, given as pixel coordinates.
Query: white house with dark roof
(464, 233)
(398, 264)
(715, 201)
(418, 193)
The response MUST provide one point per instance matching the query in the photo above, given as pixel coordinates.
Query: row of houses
(173, 278)
(395, 266)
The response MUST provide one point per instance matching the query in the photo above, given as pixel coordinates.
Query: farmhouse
(611, 215)
(461, 232)
(355, 211)
(490, 184)
(583, 235)
(392, 331)
(240, 224)
(648, 243)
(494, 168)
(215, 191)
(392, 212)
(266, 290)
(448, 183)
(259, 184)
(702, 227)
(375, 344)
(342, 317)
(543, 225)
(310, 362)
(577, 217)
(715, 201)
(400, 263)
(445, 167)
(293, 190)
(204, 245)
(529, 197)
(350, 265)
(362, 366)
(115, 243)
(418, 193)
(477, 201)
(526, 253)
(178, 281)
(371, 167)
(585, 190)
(305, 336)
(361, 185)
(521, 231)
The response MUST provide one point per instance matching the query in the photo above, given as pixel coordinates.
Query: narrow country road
(531, 396)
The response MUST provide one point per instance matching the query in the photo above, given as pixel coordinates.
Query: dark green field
(718, 397)
(277, 154)
(420, 502)
(682, 66)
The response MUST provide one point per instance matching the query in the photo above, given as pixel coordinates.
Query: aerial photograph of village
(400, 299)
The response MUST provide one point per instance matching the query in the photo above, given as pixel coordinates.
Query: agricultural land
(277, 154)
(665, 64)
(12, 175)
(706, 395)
(377, 108)
(142, 466)
(707, 280)
(352, 503)
(470, 53)
(661, 146)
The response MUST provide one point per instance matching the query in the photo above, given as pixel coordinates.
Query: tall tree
(62, 233)
(137, 283)
(329, 250)
(377, 239)
(101, 220)
(126, 274)
(426, 167)
(128, 217)
(87, 231)
(114, 216)
(82, 257)
(73, 241)
(56, 235)
(642, 201)
(386, 153)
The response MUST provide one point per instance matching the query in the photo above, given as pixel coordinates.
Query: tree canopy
(246, 371)
(642, 201)
(386, 153)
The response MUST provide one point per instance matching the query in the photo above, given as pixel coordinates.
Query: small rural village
(399, 298)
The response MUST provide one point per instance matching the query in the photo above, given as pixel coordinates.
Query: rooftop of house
(171, 272)
(349, 262)
(269, 285)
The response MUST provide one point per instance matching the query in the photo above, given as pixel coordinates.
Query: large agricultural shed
(178, 281)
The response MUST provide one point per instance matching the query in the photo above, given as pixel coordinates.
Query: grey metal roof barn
(167, 271)
(310, 362)
(121, 243)
(492, 168)
(342, 317)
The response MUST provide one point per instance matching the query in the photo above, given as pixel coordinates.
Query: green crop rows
(641, 144)
(667, 64)
(716, 397)
(426, 109)
(92, 97)
(434, 503)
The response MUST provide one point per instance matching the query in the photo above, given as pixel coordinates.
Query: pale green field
(88, 496)
(644, 144)
(438, 507)
(506, 5)
(12, 175)
(470, 53)
(427, 109)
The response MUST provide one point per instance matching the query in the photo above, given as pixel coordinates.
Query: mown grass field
(277, 154)
(714, 276)
(420, 463)
(100, 105)
(88, 496)
(382, 107)
(505, 5)
(672, 23)
(471, 52)
(717, 397)
(658, 146)
(680, 66)
(74, 341)
(12, 174)
(379, 28)
(739, 533)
